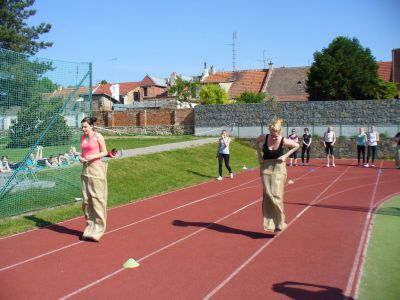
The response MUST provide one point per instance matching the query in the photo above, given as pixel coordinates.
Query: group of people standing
(365, 141)
(271, 156)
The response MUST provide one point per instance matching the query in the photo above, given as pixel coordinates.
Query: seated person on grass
(4, 167)
(113, 153)
(32, 161)
(52, 161)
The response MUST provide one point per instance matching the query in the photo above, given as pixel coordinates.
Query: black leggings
(305, 149)
(371, 152)
(360, 150)
(224, 157)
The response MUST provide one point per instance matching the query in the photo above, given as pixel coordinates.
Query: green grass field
(381, 273)
(135, 178)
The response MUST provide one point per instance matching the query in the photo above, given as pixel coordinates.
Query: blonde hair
(276, 125)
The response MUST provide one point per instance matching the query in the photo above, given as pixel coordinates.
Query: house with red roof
(284, 83)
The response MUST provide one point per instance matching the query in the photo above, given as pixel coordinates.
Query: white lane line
(164, 248)
(125, 226)
(158, 251)
(246, 262)
(358, 260)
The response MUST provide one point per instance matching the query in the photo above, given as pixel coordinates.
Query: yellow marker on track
(131, 263)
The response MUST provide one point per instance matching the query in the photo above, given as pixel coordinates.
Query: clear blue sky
(159, 37)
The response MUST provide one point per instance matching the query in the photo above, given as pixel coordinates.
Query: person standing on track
(273, 174)
(306, 146)
(94, 180)
(329, 140)
(294, 138)
(397, 139)
(223, 153)
(373, 139)
(361, 142)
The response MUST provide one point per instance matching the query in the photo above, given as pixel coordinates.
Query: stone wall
(300, 113)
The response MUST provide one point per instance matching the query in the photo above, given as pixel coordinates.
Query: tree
(15, 34)
(251, 97)
(103, 81)
(185, 90)
(386, 90)
(343, 71)
(213, 94)
(32, 121)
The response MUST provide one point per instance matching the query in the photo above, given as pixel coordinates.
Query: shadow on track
(307, 291)
(43, 224)
(223, 228)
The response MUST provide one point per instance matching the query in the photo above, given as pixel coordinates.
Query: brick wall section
(145, 117)
(300, 113)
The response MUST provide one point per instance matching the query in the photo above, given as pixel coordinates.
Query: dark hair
(306, 129)
(114, 150)
(89, 120)
(4, 156)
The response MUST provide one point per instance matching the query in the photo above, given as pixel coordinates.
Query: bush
(251, 97)
(213, 94)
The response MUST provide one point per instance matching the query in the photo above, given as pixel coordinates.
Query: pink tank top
(90, 147)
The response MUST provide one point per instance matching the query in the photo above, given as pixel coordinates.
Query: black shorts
(328, 148)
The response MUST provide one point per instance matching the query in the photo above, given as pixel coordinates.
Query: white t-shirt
(329, 137)
(223, 149)
(372, 138)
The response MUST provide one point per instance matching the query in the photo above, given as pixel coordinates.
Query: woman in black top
(306, 146)
(273, 174)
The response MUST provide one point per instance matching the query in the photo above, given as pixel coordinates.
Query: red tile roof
(124, 88)
(385, 70)
(246, 80)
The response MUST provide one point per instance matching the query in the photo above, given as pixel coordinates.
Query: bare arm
(259, 142)
(291, 144)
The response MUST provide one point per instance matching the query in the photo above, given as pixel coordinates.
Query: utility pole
(233, 51)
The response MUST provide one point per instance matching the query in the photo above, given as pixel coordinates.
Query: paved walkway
(168, 147)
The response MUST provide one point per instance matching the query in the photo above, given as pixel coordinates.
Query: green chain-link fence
(41, 105)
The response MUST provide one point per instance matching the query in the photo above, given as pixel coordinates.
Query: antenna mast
(233, 51)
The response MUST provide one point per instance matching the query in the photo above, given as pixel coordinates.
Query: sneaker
(366, 165)
(327, 165)
(333, 165)
(372, 165)
(295, 165)
(231, 175)
(219, 178)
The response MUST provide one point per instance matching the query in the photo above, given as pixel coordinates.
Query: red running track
(207, 242)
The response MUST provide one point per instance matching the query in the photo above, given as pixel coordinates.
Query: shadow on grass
(43, 224)
(307, 291)
(199, 174)
(223, 228)
(390, 211)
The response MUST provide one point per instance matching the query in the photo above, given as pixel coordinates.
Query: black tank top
(272, 154)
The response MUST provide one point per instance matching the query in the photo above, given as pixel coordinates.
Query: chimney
(212, 71)
(396, 66)
(270, 66)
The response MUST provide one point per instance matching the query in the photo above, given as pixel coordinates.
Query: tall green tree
(213, 94)
(15, 34)
(185, 90)
(343, 71)
(251, 97)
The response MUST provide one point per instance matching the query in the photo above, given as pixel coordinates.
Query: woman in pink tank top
(94, 180)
